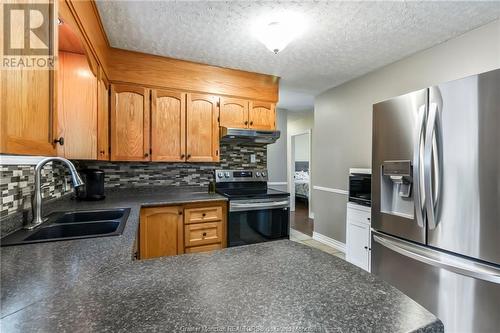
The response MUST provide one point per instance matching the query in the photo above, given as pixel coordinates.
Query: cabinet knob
(182, 155)
(366, 247)
(102, 152)
(146, 154)
(246, 122)
(368, 218)
(188, 156)
(204, 214)
(204, 234)
(251, 123)
(59, 141)
(180, 212)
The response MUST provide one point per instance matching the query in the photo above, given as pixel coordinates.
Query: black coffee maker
(93, 188)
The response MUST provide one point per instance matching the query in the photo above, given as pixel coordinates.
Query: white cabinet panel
(358, 237)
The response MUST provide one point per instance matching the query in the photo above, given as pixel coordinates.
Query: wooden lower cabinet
(161, 232)
(203, 214)
(204, 248)
(188, 228)
(202, 233)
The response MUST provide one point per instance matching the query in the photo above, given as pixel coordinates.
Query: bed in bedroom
(301, 180)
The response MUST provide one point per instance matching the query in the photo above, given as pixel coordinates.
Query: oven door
(258, 220)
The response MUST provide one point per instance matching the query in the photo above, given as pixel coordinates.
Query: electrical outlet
(253, 159)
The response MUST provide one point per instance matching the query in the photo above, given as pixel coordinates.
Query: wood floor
(299, 219)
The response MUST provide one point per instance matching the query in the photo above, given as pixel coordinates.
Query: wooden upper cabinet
(102, 117)
(262, 116)
(130, 115)
(233, 112)
(77, 107)
(202, 128)
(168, 126)
(27, 105)
(161, 232)
(27, 111)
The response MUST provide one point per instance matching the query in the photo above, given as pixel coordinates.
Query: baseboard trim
(329, 241)
(331, 190)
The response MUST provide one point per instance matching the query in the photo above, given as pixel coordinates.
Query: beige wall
(302, 147)
(276, 153)
(342, 115)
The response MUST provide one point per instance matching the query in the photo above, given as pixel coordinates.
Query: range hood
(248, 137)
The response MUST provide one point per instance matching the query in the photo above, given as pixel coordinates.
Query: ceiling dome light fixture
(278, 30)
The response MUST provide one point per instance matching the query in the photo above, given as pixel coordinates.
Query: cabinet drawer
(202, 233)
(203, 214)
(204, 248)
(358, 215)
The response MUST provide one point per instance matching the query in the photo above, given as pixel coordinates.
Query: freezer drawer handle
(419, 210)
(432, 153)
(439, 259)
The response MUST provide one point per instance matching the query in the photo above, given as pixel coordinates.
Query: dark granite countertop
(94, 285)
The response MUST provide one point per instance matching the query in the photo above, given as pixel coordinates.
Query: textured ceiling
(343, 39)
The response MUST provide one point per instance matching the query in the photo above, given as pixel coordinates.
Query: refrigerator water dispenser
(396, 188)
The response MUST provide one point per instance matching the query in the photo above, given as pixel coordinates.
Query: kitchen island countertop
(95, 285)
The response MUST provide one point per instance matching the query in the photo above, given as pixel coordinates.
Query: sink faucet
(36, 203)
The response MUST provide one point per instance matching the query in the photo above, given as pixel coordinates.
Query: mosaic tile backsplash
(17, 180)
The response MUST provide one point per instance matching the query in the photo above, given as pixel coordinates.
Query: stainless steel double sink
(72, 225)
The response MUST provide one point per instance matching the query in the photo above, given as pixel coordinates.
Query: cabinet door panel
(233, 112)
(27, 103)
(202, 233)
(129, 123)
(358, 244)
(203, 248)
(26, 112)
(202, 134)
(102, 119)
(77, 109)
(168, 126)
(262, 116)
(161, 232)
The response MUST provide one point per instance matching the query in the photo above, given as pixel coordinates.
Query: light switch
(253, 159)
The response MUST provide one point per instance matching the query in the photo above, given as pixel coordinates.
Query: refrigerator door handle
(417, 170)
(432, 160)
(442, 260)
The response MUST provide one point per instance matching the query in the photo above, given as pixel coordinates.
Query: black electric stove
(256, 212)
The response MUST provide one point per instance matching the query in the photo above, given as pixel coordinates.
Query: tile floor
(299, 237)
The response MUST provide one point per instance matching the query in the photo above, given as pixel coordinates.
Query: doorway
(300, 189)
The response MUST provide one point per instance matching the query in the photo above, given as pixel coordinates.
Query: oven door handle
(233, 206)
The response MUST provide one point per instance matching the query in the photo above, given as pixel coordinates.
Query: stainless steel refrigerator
(436, 199)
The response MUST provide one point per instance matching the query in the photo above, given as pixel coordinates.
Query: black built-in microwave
(360, 188)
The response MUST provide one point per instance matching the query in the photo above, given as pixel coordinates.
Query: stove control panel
(240, 176)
